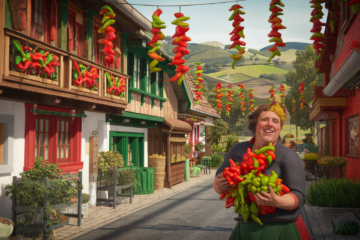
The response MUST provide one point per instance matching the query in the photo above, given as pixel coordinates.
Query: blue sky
(210, 22)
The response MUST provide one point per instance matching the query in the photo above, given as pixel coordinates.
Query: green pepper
(249, 186)
(157, 19)
(49, 59)
(318, 57)
(316, 16)
(264, 188)
(17, 46)
(273, 185)
(241, 191)
(276, 39)
(235, 12)
(253, 189)
(256, 162)
(268, 159)
(256, 182)
(264, 180)
(179, 21)
(273, 177)
(107, 7)
(316, 5)
(41, 61)
(154, 49)
(266, 148)
(237, 208)
(107, 23)
(247, 181)
(245, 212)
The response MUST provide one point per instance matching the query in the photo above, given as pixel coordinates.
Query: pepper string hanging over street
(198, 92)
(320, 41)
(276, 25)
(217, 90)
(252, 100)
(237, 33)
(228, 104)
(242, 98)
(157, 25)
(272, 96)
(180, 39)
(108, 19)
(248, 178)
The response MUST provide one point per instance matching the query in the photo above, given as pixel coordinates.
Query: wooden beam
(49, 99)
(119, 111)
(86, 105)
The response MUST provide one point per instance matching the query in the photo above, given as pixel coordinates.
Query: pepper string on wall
(198, 81)
(180, 39)
(352, 4)
(228, 104)
(282, 95)
(219, 105)
(157, 25)
(272, 96)
(242, 98)
(252, 100)
(276, 25)
(237, 33)
(320, 41)
(108, 19)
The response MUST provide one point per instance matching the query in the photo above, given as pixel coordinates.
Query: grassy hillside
(252, 71)
(287, 56)
(289, 45)
(214, 44)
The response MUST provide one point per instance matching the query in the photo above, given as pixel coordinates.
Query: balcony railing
(54, 71)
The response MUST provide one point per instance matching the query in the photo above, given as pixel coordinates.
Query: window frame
(59, 138)
(73, 164)
(37, 136)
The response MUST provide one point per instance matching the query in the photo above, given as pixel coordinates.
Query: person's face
(268, 127)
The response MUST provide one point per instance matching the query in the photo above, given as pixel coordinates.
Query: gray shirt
(288, 166)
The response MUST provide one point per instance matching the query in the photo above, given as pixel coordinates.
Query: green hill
(289, 45)
(252, 71)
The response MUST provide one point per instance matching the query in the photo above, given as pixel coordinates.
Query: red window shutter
(53, 22)
(71, 30)
(80, 39)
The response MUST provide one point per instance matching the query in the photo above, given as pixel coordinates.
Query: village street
(196, 213)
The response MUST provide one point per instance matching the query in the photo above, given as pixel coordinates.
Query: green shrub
(230, 141)
(312, 148)
(217, 148)
(342, 193)
(107, 160)
(199, 147)
(311, 156)
(216, 160)
(85, 198)
(126, 176)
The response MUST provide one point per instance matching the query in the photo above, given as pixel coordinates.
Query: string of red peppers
(108, 19)
(219, 105)
(237, 33)
(276, 26)
(248, 178)
(242, 99)
(157, 25)
(252, 100)
(228, 104)
(304, 105)
(282, 95)
(272, 96)
(180, 39)
(198, 81)
(352, 5)
(318, 38)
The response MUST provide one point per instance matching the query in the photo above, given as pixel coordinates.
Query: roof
(177, 125)
(204, 106)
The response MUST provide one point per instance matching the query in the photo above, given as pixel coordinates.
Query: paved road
(196, 213)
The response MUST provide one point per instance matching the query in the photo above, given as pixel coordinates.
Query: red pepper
(271, 153)
(250, 154)
(238, 178)
(274, 33)
(261, 156)
(222, 196)
(263, 211)
(272, 210)
(229, 205)
(276, 9)
(285, 188)
(251, 196)
(106, 42)
(24, 65)
(230, 200)
(180, 31)
(181, 49)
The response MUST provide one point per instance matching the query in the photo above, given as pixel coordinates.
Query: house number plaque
(93, 158)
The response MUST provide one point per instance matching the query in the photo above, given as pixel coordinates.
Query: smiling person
(286, 223)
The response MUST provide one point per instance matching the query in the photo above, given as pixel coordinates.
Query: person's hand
(221, 183)
(267, 199)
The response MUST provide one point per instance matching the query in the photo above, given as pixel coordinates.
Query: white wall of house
(12, 114)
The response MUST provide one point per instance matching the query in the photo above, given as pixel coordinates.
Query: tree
(168, 38)
(214, 133)
(303, 72)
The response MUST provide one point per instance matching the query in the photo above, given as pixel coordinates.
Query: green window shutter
(143, 77)
(130, 58)
(153, 83)
(161, 84)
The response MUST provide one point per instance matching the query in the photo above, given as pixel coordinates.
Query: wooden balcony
(37, 72)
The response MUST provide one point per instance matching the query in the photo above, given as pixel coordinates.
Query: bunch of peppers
(293, 110)
(41, 63)
(180, 39)
(252, 100)
(318, 38)
(276, 25)
(272, 96)
(304, 105)
(228, 104)
(219, 105)
(247, 178)
(198, 81)
(157, 25)
(82, 75)
(116, 85)
(352, 4)
(108, 19)
(237, 33)
(282, 95)
(242, 98)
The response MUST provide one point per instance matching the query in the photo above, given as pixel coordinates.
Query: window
(79, 40)
(148, 78)
(74, 34)
(44, 20)
(38, 19)
(130, 145)
(56, 139)
(1, 143)
(137, 61)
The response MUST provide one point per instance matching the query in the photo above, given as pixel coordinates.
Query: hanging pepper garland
(228, 104)
(108, 19)
(198, 81)
(272, 96)
(282, 95)
(304, 105)
(251, 101)
(218, 88)
(276, 25)
(242, 98)
(293, 110)
(352, 4)
(237, 33)
(320, 41)
(180, 39)
(157, 25)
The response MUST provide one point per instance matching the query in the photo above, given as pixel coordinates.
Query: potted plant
(310, 160)
(6, 228)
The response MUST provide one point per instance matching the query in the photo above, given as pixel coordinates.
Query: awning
(177, 125)
(349, 67)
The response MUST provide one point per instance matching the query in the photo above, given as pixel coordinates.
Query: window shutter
(153, 83)
(161, 83)
(18, 14)
(71, 30)
(53, 23)
(143, 77)
(130, 70)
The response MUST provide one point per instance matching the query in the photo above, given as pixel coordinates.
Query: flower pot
(6, 228)
(310, 163)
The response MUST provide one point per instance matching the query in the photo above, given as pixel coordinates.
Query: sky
(211, 22)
